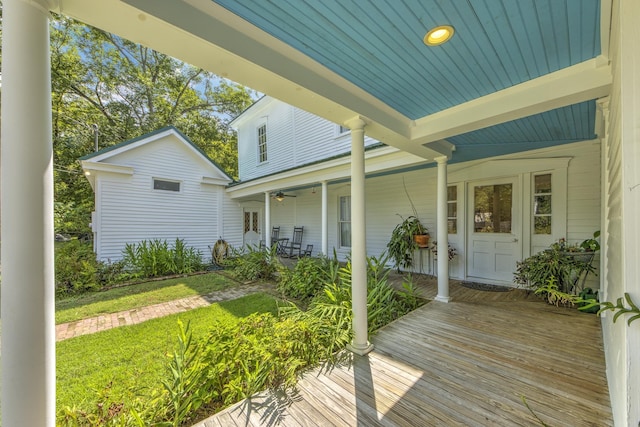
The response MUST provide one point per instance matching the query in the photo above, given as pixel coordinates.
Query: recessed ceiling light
(438, 35)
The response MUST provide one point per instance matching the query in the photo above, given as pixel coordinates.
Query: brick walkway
(137, 315)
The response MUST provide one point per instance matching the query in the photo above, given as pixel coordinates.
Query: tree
(127, 90)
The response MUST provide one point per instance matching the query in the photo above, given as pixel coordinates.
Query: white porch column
(26, 168)
(267, 219)
(325, 219)
(443, 231)
(360, 344)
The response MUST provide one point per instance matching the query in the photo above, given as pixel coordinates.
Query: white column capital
(356, 123)
(441, 159)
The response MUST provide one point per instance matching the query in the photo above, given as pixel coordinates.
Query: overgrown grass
(140, 295)
(131, 361)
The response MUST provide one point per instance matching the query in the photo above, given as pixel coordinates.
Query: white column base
(360, 351)
(442, 299)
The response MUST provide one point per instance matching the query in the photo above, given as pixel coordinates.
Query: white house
(515, 80)
(284, 149)
(158, 186)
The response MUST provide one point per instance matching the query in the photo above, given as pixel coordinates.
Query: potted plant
(403, 242)
(565, 266)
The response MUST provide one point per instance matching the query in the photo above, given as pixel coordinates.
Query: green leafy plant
(451, 251)
(550, 292)
(108, 411)
(618, 308)
(76, 268)
(156, 258)
(186, 377)
(591, 244)
(304, 281)
(553, 263)
(254, 263)
(402, 245)
(330, 310)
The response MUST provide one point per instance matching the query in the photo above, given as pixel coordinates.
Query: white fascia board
(90, 167)
(582, 82)
(386, 158)
(252, 111)
(112, 153)
(214, 181)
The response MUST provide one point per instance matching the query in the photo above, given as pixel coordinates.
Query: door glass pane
(255, 222)
(247, 222)
(492, 207)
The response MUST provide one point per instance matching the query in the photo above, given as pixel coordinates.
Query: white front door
(252, 226)
(494, 229)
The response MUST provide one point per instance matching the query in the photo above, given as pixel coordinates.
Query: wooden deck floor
(469, 362)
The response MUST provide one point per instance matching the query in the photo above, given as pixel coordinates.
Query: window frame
(262, 143)
(342, 130)
(449, 203)
(535, 194)
(342, 221)
(166, 180)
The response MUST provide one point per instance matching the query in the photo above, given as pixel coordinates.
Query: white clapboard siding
(129, 210)
(621, 357)
(386, 199)
(294, 138)
(231, 229)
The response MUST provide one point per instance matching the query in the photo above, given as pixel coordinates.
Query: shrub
(558, 264)
(113, 273)
(254, 264)
(330, 310)
(75, 268)
(305, 280)
(234, 362)
(155, 258)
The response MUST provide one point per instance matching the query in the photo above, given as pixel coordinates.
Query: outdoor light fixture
(279, 196)
(438, 35)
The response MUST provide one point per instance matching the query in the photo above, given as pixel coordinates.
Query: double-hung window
(344, 221)
(262, 143)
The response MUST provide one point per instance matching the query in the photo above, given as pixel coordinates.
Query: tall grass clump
(154, 258)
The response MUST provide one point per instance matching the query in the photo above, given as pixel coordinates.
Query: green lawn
(140, 295)
(132, 358)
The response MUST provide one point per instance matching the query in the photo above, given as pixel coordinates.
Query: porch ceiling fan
(279, 196)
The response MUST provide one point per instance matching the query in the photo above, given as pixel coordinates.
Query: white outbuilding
(158, 186)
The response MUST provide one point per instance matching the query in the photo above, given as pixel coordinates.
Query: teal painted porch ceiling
(377, 45)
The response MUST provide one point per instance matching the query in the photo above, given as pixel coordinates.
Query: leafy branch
(619, 306)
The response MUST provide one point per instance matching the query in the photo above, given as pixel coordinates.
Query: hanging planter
(404, 241)
(422, 240)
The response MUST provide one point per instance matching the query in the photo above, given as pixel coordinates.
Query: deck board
(468, 362)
